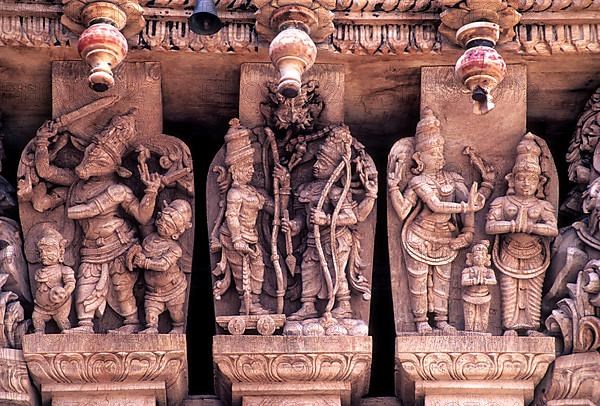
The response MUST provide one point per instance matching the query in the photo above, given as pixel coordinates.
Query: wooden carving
(476, 279)
(289, 234)
(428, 198)
(55, 283)
(524, 223)
(100, 192)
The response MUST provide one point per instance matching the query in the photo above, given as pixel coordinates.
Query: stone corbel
(478, 25)
(293, 28)
(103, 28)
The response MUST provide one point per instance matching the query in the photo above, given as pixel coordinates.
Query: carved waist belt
(522, 251)
(101, 250)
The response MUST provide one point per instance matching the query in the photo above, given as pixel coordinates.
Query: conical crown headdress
(238, 145)
(336, 144)
(428, 134)
(528, 155)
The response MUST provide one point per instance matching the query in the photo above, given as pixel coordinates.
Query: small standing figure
(55, 283)
(159, 254)
(524, 224)
(476, 294)
(438, 211)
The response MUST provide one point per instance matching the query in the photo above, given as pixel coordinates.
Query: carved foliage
(93, 367)
(269, 367)
(473, 365)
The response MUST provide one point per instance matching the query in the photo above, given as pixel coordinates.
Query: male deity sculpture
(430, 199)
(292, 222)
(328, 211)
(242, 254)
(55, 283)
(524, 224)
(158, 256)
(97, 202)
(476, 279)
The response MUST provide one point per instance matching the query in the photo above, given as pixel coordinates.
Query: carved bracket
(510, 367)
(285, 367)
(15, 385)
(109, 365)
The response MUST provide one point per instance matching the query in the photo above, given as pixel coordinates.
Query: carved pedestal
(74, 369)
(15, 385)
(461, 370)
(572, 380)
(252, 370)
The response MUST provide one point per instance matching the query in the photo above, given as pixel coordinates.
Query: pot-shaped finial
(480, 68)
(103, 47)
(292, 52)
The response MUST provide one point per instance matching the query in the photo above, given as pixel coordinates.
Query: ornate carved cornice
(540, 33)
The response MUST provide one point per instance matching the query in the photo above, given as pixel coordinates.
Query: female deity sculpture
(524, 224)
(430, 204)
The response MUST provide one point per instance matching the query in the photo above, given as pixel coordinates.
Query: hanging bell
(205, 20)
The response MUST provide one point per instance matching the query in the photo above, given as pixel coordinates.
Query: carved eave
(546, 28)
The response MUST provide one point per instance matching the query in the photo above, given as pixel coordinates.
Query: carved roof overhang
(362, 27)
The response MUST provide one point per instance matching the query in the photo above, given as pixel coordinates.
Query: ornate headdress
(528, 155)
(238, 145)
(117, 137)
(336, 145)
(51, 237)
(181, 212)
(428, 134)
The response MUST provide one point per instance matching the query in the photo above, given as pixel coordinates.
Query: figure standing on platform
(430, 205)
(159, 255)
(55, 283)
(242, 253)
(524, 224)
(326, 208)
(476, 279)
(98, 201)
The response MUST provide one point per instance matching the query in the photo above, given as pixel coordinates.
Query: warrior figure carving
(524, 224)
(159, 255)
(326, 208)
(55, 283)
(430, 203)
(475, 281)
(242, 254)
(96, 201)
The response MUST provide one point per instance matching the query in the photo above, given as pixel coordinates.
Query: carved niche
(441, 189)
(118, 197)
(292, 229)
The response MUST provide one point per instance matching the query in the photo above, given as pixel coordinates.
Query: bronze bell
(205, 20)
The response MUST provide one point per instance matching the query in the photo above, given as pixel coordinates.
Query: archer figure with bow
(326, 208)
